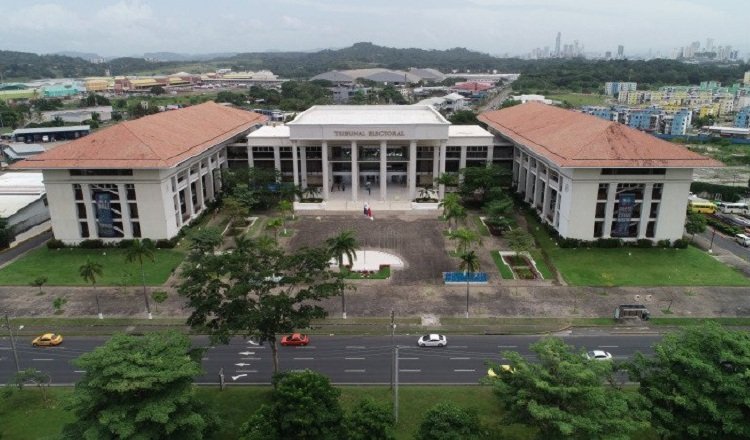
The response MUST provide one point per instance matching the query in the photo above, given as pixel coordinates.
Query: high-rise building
(557, 45)
(620, 51)
(746, 78)
(709, 45)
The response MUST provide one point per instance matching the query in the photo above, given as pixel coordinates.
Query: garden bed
(521, 265)
(381, 274)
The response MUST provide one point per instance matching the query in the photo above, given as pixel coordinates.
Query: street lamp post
(713, 235)
(13, 343)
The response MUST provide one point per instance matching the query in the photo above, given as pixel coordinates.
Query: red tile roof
(572, 139)
(162, 140)
(472, 86)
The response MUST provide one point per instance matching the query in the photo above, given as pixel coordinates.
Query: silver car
(598, 355)
(432, 340)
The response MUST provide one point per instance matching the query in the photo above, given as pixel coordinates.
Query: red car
(295, 339)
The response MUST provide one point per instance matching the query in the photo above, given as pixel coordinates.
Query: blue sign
(624, 213)
(104, 214)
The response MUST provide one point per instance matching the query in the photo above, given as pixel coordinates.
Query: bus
(733, 208)
(701, 206)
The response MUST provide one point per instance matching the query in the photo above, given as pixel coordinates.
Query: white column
(326, 183)
(490, 154)
(645, 210)
(199, 190)
(276, 158)
(462, 158)
(545, 200)
(435, 164)
(412, 178)
(90, 214)
(443, 153)
(609, 210)
(355, 172)
(303, 166)
(210, 190)
(250, 159)
(189, 195)
(295, 164)
(127, 229)
(383, 169)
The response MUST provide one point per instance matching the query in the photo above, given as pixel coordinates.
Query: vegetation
(695, 223)
(566, 395)
(138, 387)
(138, 251)
(258, 290)
(343, 245)
(446, 421)
(696, 383)
(464, 117)
(727, 193)
(304, 406)
(60, 266)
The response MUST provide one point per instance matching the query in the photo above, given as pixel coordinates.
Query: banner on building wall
(624, 213)
(104, 214)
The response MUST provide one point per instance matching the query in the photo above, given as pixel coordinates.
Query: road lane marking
(354, 371)
(507, 346)
(410, 371)
(459, 346)
(303, 359)
(464, 371)
(246, 371)
(246, 353)
(204, 358)
(238, 376)
(609, 346)
(79, 371)
(308, 347)
(351, 347)
(249, 359)
(460, 358)
(354, 359)
(42, 359)
(408, 359)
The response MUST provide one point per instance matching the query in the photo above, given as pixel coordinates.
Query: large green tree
(567, 396)
(140, 250)
(469, 264)
(258, 290)
(304, 406)
(138, 387)
(478, 181)
(698, 383)
(446, 421)
(695, 223)
(369, 420)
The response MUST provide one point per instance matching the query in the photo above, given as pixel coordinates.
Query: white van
(742, 239)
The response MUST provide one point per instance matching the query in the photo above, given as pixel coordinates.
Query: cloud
(292, 22)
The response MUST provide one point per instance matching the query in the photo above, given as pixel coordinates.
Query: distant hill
(88, 56)
(172, 56)
(23, 65)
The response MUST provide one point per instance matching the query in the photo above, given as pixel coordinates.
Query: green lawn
(636, 267)
(24, 417)
(579, 99)
(505, 272)
(60, 266)
(382, 274)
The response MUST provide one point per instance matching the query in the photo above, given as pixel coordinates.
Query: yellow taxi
(47, 340)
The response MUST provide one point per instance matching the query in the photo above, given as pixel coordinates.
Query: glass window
(601, 209)
(603, 190)
(130, 191)
(654, 212)
(136, 226)
(84, 228)
(650, 229)
(133, 207)
(656, 191)
(78, 193)
(81, 210)
(598, 229)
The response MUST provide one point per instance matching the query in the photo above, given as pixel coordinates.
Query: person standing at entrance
(367, 185)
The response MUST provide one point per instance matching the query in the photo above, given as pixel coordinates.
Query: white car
(433, 340)
(598, 355)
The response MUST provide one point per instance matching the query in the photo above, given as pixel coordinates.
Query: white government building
(587, 177)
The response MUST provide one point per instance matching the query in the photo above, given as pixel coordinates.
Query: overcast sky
(129, 27)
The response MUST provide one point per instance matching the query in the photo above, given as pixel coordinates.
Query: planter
(425, 205)
(522, 266)
(309, 206)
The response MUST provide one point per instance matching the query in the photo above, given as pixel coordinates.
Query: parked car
(598, 355)
(742, 239)
(295, 339)
(432, 340)
(47, 340)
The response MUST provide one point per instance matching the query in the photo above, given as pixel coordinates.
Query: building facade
(141, 179)
(589, 178)
(368, 152)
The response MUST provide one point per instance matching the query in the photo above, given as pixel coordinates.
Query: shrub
(644, 243)
(680, 244)
(608, 243)
(54, 243)
(723, 227)
(91, 244)
(569, 243)
(167, 244)
(664, 244)
(124, 244)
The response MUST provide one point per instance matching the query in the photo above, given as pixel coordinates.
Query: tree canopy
(369, 420)
(138, 387)
(566, 395)
(698, 383)
(446, 421)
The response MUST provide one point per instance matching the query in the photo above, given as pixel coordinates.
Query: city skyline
(498, 27)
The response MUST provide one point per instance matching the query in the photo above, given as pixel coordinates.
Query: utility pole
(395, 388)
(12, 344)
(393, 331)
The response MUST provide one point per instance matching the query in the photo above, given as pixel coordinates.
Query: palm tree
(275, 224)
(89, 271)
(469, 264)
(452, 208)
(465, 238)
(138, 251)
(343, 244)
(285, 207)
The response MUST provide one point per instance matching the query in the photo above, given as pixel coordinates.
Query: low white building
(372, 152)
(22, 200)
(451, 102)
(142, 178)
(590, 178)
(79, 115)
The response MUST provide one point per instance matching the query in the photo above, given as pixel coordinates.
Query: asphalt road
(32, 243)
(727, 243)
(344, 359)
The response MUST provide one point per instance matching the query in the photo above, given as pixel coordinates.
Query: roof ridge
(611, 125)
(127, 124)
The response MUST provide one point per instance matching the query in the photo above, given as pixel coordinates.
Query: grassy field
(579, 99)
(25, 417)
(61, 267)
(637, 267)
(505, 272)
